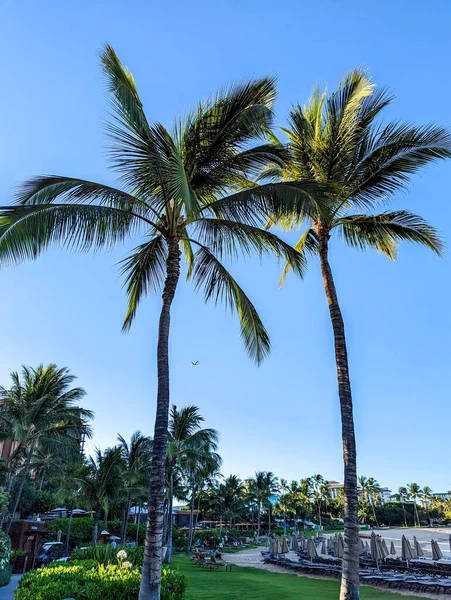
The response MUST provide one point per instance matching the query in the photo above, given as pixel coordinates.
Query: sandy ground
(253, 557)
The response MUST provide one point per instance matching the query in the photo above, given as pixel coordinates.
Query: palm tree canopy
(40, 407)
(338, 142)
(178, 185)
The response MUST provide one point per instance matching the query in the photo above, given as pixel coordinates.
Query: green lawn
(244, 583)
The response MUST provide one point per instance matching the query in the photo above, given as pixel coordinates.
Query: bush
(5, 557)
(83, 582)
(81, 530)
(106, 555)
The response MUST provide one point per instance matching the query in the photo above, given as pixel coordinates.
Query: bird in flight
(194, 363)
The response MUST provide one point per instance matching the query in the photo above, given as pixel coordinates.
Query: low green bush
(81, 581)
(5, 557)
(106, 555)
(81, 530)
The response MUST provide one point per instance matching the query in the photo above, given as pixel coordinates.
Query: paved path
(7, 593)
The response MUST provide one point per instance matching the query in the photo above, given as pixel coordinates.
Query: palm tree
(185, 192)
(227, 499)
(369, 488)
(414, 493)
(135, 464)
(403, 495)
(188, 445)
(38, 412)
(100, 477)
(262, 487)
(320, 489)
(336, 143)
(426, 498)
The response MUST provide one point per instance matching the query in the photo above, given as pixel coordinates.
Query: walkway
(7, 593)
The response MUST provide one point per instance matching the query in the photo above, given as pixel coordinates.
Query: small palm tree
(414, 493)
(262, 487)
(357, 164)
(403, 495)
(184, 192)
(188, 446)
(135, 464)
(369, 488)
(38, 412)
(320, 489)
(100, 478)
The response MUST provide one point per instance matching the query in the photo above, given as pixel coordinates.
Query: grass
(245, 583)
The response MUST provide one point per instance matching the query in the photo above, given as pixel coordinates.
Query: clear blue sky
(68, 308)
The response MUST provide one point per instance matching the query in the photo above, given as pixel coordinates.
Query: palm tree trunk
(319, 515)
(22, 483)
(105, 518)
(269, 520)
(125, 521)
(138, 524)
(258, 520)
(405, 514)
(191, 516)
(350, 575)
(416, 512)
(69, 527)
(95, 528)
(171, 500)
(151, 572)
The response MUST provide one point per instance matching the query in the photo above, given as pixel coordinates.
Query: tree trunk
(269, 520)
(191, 516)
(151, 572)
(125, 522)
(405, 515)
(138, 524)
(105, 518)
(95, 528)
(319, 515)
(258, 520)
(69, 527)
(416, 512)
(350, 576)
(22, 483)
(171, 500)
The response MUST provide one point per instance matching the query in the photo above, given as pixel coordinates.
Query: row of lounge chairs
(210, 562)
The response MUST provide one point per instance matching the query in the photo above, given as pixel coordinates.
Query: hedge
(5, 555)
(81, 530)
(85, 582)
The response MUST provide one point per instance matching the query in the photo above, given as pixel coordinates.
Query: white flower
(127, 565)
(122, 554)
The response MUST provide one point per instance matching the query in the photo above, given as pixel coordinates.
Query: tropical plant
(403, 495)
(227, 499)
(190, 448)
(135, 471)
(39, 410)
(100, 478)
(321, 493)
(261, 487)
(184, 192)
(369, 488)
(414, 493)
(357, 164)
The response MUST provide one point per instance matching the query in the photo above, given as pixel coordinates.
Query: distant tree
(414, 493)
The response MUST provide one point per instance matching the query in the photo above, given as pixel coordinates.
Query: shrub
(5, 557)
(81, 530)
(83, 582)
(106, 555)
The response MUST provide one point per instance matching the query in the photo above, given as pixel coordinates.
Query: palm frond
(307, 244)
(384, 231)
(220, 286)
(26, 231)
(231, 238)
(144, 270)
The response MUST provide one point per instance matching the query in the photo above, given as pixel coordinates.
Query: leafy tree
(403, 495)
(369, 488)
(189, 447)
(321, 493)
(227, 499)
(414, 493)
(185, 192)
(135, 468)
(261, 488)
(39, 409)
(336, 143)
(100, 477)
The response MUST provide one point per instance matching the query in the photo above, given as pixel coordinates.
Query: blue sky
(68, 308)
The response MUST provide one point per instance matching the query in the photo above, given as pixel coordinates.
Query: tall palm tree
(188, 445)
(414, 493)
(135, 464)
(227, 499)
(403, 495)
(262, 486)
(320, 489)
(369, 488)
(99, 479)
(427, 498)
(183, 192)
(357, 164)
(39, 411)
